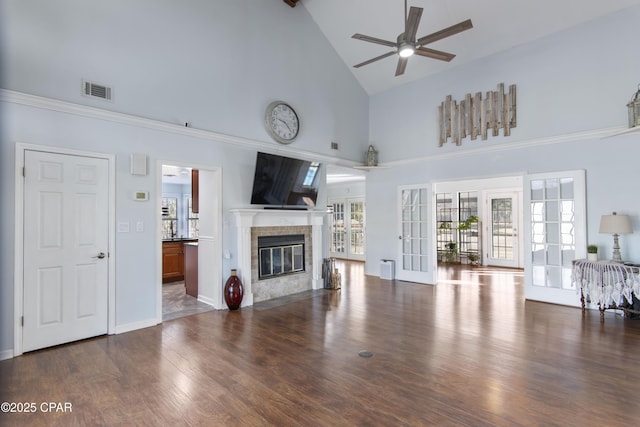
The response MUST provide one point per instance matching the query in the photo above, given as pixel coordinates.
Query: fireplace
(255, 223)
(280, 254)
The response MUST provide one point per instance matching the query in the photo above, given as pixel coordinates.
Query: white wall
(346, 190)
(214, 63)
(576, 81)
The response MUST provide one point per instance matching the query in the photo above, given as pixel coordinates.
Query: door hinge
(23, 171)
(21, 320)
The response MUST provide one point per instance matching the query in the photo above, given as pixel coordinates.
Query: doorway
(190, 254)
(65, 283)
(478, 221)
(347, 229)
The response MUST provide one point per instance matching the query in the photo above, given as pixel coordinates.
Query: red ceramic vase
(233, 291)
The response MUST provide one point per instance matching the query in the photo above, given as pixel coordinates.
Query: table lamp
(615, 224)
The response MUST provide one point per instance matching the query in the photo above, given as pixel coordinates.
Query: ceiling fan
(407, 45)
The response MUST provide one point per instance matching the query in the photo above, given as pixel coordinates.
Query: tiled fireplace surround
(252, 223)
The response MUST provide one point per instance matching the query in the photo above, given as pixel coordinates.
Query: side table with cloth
(610, 285)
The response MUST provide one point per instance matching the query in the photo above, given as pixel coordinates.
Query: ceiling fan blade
(413, 20)
(374, 40)
(377, 58)
(402, 64)
(435, 54)
(449, 31)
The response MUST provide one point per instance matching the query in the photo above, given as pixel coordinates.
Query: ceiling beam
(291, 3)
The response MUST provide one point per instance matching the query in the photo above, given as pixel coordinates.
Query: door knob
(99, 256)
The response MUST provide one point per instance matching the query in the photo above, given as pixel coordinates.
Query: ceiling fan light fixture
(405, 49)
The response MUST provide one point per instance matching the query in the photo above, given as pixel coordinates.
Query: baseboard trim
(128, 327)
(6, 354)
(206, 300)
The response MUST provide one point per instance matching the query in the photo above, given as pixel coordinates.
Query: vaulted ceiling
(498, 25)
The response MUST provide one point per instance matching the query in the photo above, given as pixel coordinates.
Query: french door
(416, 249)
(502, 229)
(348, 229)
(555, 234)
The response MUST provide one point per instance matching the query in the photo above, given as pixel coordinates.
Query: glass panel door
(357, 227)
(503, 239)
(556, 235)
(347, 239)
(338, 231)
(416, 257)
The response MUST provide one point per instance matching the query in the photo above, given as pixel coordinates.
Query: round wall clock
(282, 122)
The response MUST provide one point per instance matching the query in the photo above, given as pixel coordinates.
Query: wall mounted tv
(285, 182)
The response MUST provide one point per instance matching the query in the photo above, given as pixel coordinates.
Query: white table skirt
(606, 283)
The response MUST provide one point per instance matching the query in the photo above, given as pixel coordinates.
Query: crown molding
(159, 125)
(128, 119)
(514, 145)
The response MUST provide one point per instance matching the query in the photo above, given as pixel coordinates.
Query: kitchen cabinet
(172, 261)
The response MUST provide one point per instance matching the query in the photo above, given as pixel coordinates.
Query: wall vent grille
(96, 90)
(334, 145)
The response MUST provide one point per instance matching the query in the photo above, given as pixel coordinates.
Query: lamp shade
(615, 224)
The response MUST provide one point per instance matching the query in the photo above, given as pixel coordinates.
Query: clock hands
(285, 123)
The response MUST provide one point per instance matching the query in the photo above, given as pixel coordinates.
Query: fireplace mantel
(246, 219)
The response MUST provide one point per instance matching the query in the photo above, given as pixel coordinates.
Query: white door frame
(18, 277)
(210, 291)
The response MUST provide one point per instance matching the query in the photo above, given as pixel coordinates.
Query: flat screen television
(285, 182)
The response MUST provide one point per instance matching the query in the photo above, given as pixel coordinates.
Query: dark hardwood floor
(469, 351)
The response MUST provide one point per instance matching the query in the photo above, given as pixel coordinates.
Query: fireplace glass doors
(280, 255)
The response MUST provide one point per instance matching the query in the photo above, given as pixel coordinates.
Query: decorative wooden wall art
(475, 116)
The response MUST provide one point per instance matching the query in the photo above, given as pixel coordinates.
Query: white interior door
(555, 235)
(66, 232)
(416, 249)
(503, 230)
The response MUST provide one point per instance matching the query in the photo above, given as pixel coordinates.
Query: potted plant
(466, 224)
(452, 252)
(592, 253)
(473, 258)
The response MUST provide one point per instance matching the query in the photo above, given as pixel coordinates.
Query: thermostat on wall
(141, 195)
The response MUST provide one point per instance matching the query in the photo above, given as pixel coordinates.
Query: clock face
(282, 122)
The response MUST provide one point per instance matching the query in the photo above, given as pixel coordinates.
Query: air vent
(96, 90)
(334, 145)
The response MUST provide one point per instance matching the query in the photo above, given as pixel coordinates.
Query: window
(169, 217)
(193, 222)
